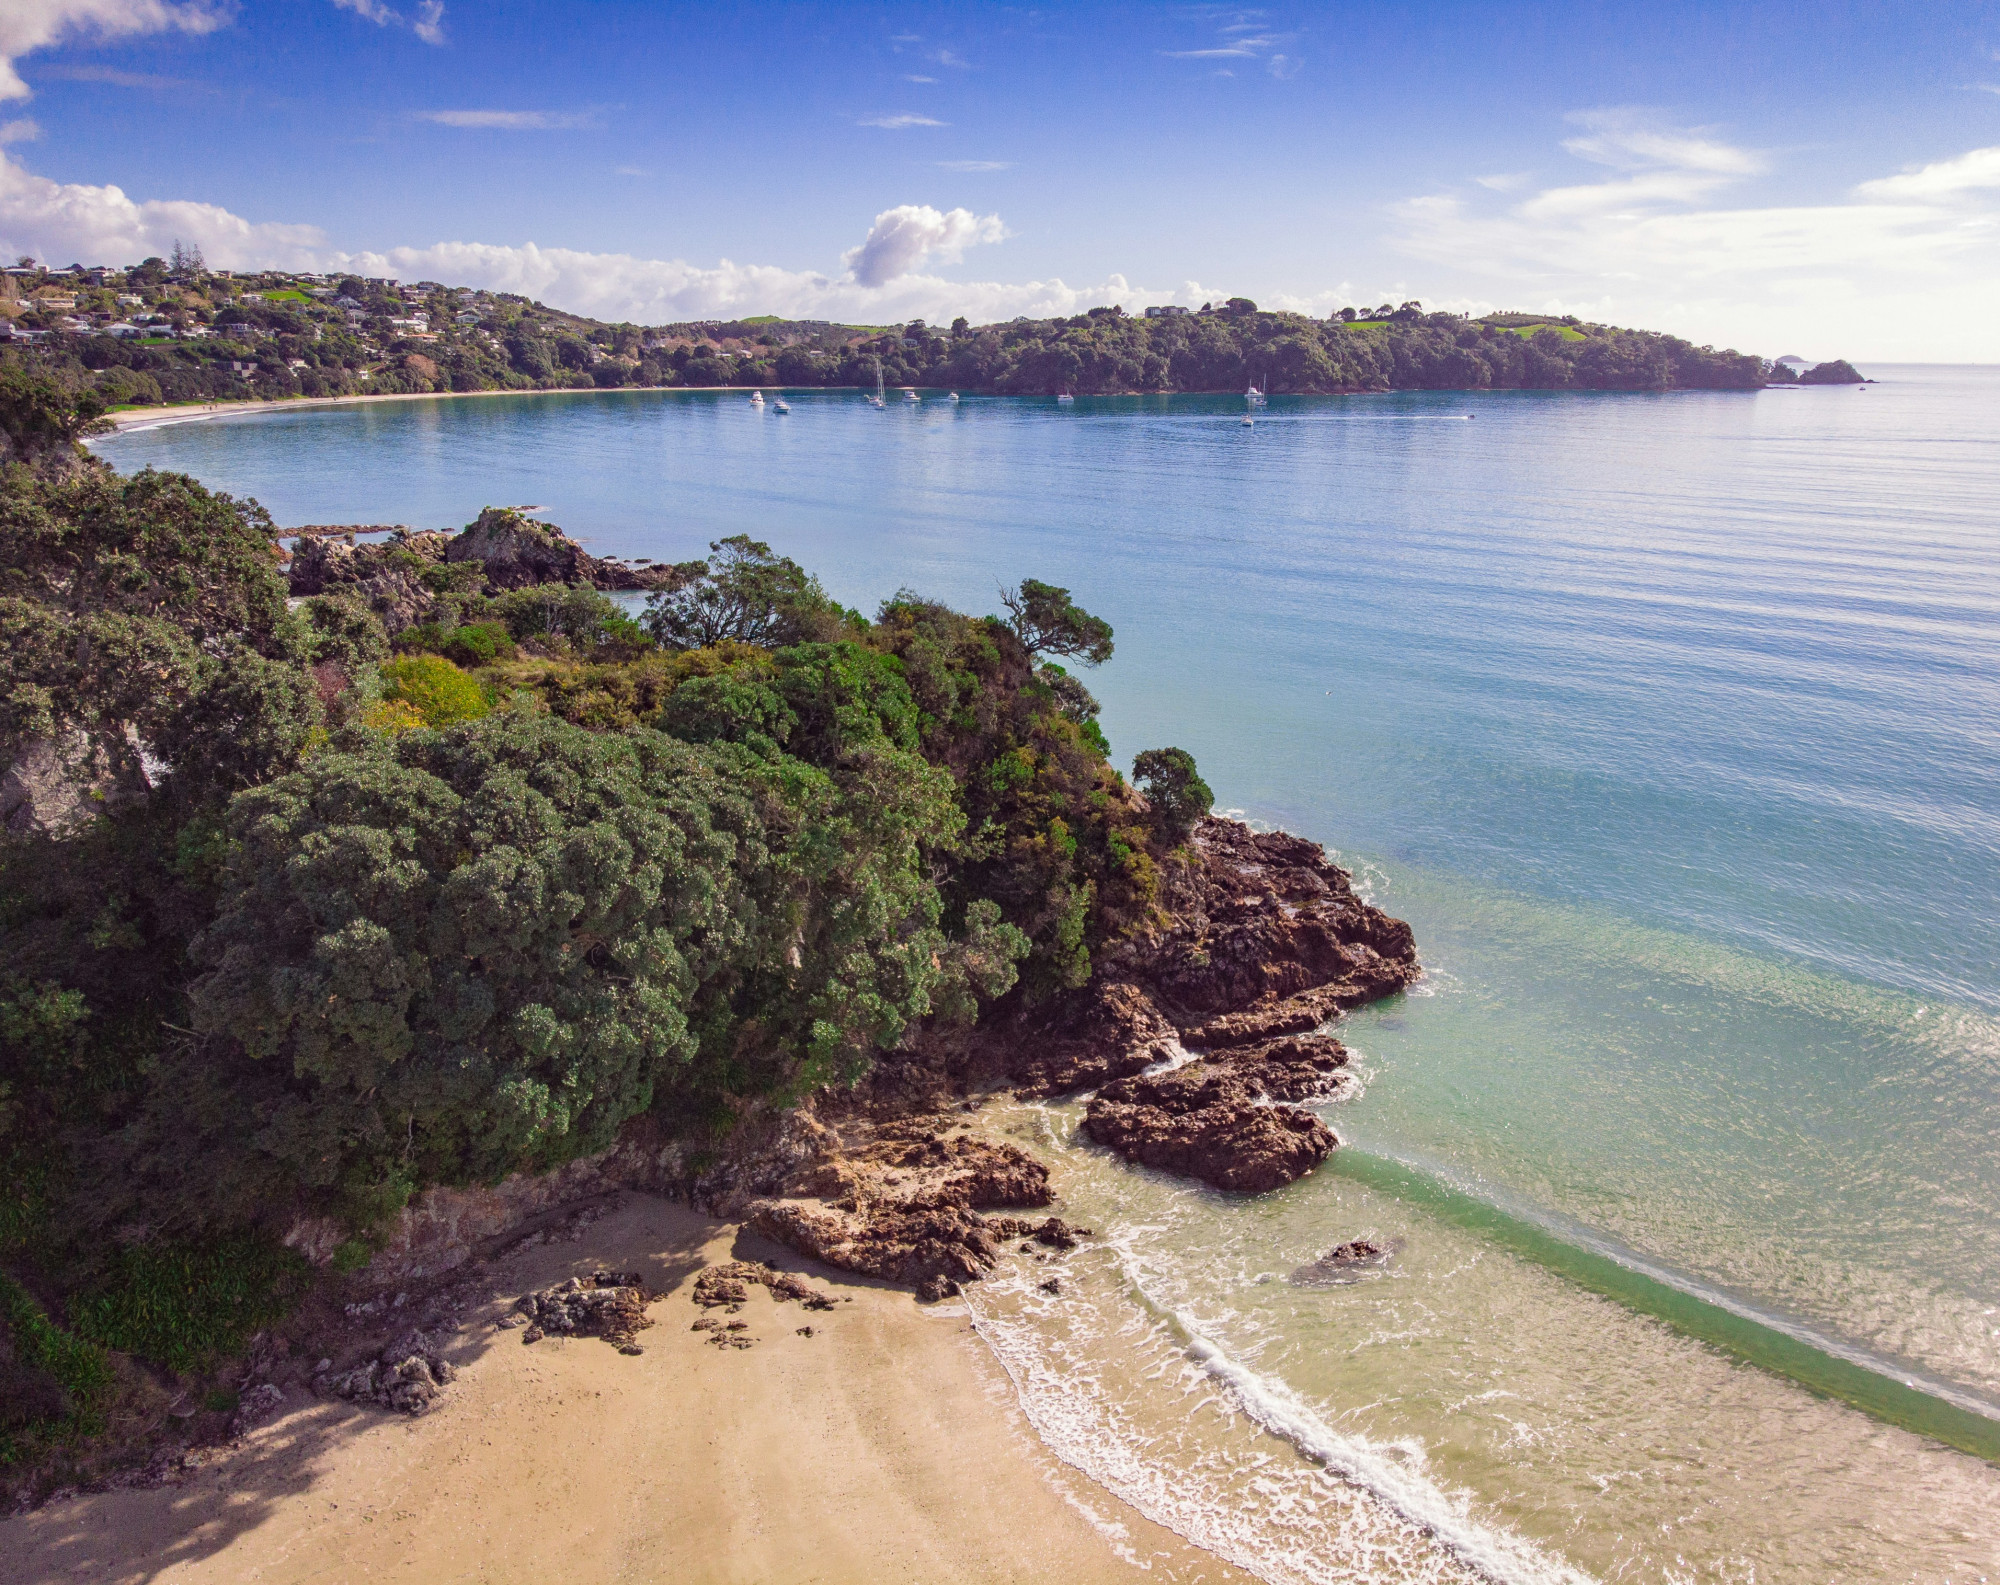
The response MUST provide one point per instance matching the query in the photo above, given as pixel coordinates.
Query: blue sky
(1822, 176)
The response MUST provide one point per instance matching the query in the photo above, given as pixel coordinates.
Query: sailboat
(1064, 396)
(876, 399)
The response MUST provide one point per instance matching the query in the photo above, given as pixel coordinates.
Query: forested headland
(175, 332)
(310, 902)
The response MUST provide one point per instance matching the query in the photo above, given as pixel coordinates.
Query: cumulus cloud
(427, 21)
(512, 120)
(906, 118)
(69, 220)
(1655, 240)
(27, 25)
(906, 237)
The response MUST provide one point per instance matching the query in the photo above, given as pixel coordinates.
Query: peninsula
(167, 332)
(368, 898)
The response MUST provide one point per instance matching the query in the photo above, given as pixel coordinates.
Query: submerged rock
(1344, 1263)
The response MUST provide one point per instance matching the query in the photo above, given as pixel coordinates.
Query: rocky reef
(1199, 1038)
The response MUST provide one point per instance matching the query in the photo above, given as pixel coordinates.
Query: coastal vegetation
(311, 901)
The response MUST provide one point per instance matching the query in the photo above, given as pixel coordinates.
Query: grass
(186, 1308)
(1567, 332)
(79, 1368)
(287, 294)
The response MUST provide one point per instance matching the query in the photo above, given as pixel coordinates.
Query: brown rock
(1227, 1120)
(1103, 1032)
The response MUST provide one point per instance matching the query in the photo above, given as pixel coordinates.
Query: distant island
(174, 331)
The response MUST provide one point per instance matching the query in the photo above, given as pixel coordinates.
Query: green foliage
(744, 594)
(465, 953)
(1172, 785)
(469, 644)
(1048, 622)
(435, 689)
(42, 414)
(56, 1377)
(342, 630)
(186, 1306)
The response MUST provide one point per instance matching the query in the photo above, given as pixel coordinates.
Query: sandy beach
(884, 1447)
(189, 412)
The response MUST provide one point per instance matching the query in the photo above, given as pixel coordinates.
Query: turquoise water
(1672, 723)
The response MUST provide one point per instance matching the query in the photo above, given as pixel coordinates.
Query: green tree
(1174, 788)
(742, 592)
(1048, 622)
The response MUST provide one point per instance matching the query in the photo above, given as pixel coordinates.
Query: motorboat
(1064, 396)
(780, 405)
(954, 396)
(756, 398)
(1249, 422)
(910, 396)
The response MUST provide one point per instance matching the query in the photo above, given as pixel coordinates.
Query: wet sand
(885, 1447)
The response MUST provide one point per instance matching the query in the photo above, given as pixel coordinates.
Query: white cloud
(25, 130)
(1974, 172)
(974, 165)
(27, 25)
(897, 123)
(1656, 242)
(427, 22)
(905, 238)
(68, 220)
(512, 120)
(913, 78)
(1245, 39)
(1636, 139)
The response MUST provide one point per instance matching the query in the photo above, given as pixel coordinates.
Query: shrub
(438, 691)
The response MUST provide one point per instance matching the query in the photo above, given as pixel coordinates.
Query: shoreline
(887, 1445)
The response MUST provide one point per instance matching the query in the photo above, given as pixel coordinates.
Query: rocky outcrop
(1103, 1032)
(53, 785)
(1265, 936)
(516, 552)
(407, 1376)
(905, 1205)
(1229, 1120)
(606, 1304)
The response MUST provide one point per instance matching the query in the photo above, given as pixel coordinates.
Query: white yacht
(1064, 396)
(1253, 397)
(954, 396)
(876, 400)
(910, 395)
(756, 398)
(780, 405)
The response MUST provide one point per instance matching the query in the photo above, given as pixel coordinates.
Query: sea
(1671, 722)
